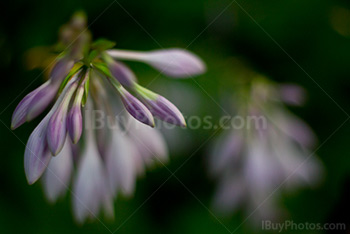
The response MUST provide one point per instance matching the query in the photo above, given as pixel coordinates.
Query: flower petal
(20, 114)
(172, 62)
(75, 123)
(166, 111)
(120, 163)
(57, 127)
(136, 108)
(57, 177)
(41, 100)
(149, 142)
(37, 155)
(61, 70)
(87, 186)
(120, 72)
(75, 119)
(90, 186)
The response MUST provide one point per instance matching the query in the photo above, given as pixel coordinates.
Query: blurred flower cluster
(255, 164)
(85, 76)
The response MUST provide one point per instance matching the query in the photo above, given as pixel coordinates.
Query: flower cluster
(84, 77)
(255, 163)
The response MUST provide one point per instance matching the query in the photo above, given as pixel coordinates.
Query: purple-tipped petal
(61, 70)
(172, 62)
(20, 114)
(37, 155)
(41, 100)
(136, 108)
(56, 131)
(122, 73)
(57, 176)
(163, 109)
(75, 123)
(75, 119)
(57, 127)
(292, 94)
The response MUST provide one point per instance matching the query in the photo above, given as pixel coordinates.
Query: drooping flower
(81, 81)
(269, 154)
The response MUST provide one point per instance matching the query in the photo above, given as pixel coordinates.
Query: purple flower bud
(41, 100)
(20, 114)
(172, 62)
(56, 130)
(165, 110)
(37, 155)
(33, 104)
(75, 119)
(61, 70)
(122, 73)
(136, 108)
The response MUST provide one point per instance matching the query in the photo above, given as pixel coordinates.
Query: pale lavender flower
(121, 160)
(254, 163)
(91, 192)
(176, 62)
(58, 174)
(149, 142)
(83, 81)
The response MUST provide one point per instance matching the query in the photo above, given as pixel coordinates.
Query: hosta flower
(255, 162)
(88, 77)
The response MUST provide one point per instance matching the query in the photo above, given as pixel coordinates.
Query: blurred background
(316, 34)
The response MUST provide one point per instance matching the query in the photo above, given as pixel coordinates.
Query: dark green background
(303, 29)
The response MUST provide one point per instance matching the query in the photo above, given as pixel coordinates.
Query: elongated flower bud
(37, 155)
(120, 72)
(61, 70)
(75, 119)
(56, 130)
(41, 101)
(136, 108)
(33, 104)
(20, 114)
(172, 62)
(161, 107)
